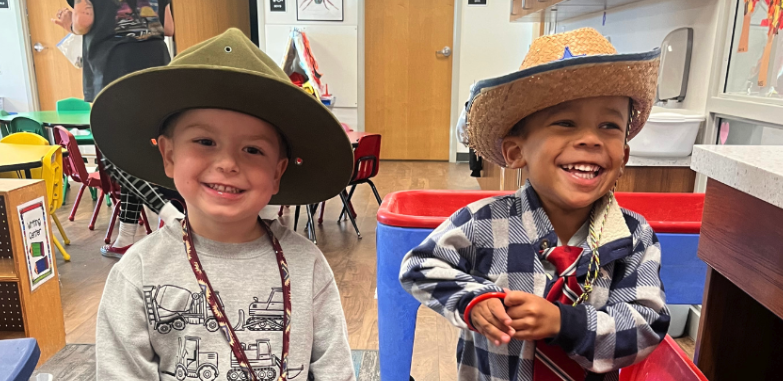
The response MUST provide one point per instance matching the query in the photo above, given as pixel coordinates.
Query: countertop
(755, 170)
(638, 161)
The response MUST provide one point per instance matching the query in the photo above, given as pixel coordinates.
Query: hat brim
(497, 104)
(129, 113)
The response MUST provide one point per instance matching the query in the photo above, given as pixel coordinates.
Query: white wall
(15, 86)
(642, 26)
(335, 45)
(489, 46)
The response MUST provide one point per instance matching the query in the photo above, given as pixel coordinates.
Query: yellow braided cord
(594, 267)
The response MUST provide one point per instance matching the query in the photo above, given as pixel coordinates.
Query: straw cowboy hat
(225, 72)
(559, 68)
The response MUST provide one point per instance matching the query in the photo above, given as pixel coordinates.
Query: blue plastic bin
(406, 218)
(18, 358)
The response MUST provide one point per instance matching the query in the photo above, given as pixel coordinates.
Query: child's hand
(534, 317)
(489, 318)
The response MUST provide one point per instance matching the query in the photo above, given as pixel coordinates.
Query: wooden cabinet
(24, 311)
(635, 179)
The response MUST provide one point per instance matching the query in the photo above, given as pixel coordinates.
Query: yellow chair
(25, 138)
(52, 173)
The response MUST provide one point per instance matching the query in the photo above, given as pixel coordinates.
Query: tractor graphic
(174, 307)
(194, 364)
(264, 315)
(264, 363)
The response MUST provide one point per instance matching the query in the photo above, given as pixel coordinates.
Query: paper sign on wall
(37, 245)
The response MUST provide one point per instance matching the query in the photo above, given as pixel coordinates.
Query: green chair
(3, 125)
(72, 104)
(76, 104)
(23, 124)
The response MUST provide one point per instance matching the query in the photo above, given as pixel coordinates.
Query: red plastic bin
(667, 363)
(665, 212)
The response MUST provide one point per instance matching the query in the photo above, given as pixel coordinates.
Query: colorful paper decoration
(774, 22)
(750, 6)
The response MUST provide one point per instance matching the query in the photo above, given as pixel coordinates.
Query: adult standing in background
(120, 37)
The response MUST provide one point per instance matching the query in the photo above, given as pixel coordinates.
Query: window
(743, 76)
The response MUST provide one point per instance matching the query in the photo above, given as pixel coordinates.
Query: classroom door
(408, 46)
(55, 76)
(196, 21)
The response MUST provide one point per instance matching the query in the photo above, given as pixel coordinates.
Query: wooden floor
(352, 260)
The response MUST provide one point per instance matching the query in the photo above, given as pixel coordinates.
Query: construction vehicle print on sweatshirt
(171, 307)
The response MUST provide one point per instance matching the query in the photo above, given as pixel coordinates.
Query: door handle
(446, 51)
(38, 47)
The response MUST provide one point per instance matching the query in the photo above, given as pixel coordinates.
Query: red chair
(73, 166)
(366, 165)
(110, 187)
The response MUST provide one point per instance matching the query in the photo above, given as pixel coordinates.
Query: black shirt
(126, 36)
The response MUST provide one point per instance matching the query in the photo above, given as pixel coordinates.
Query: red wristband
(477, 300)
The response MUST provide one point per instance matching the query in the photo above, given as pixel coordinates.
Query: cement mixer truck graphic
(264, 315)
(174, 307)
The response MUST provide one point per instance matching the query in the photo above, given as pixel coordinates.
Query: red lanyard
(217, 307)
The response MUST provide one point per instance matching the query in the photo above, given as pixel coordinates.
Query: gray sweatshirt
(154, 323)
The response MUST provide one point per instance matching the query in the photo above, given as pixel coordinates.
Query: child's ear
(626, 157)
(513, 152)
(166, 148)
(282, 165)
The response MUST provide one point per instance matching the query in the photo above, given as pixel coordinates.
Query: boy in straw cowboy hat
(555, 282)
(217, 292)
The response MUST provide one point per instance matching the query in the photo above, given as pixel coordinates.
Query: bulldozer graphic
(194, 364)
(264, 315)
(265, 364)
(175, 307)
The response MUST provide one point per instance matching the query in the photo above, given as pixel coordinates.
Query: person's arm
(123, 350)
(330, 359)
(438, 272)
(633, 321)
(83, 16)
(168, 22)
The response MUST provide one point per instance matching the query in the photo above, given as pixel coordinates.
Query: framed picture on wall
(319, 10)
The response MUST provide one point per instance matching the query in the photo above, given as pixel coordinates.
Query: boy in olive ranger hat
(555, 282)
(218, 292)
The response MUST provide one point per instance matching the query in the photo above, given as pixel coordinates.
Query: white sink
(667, 135)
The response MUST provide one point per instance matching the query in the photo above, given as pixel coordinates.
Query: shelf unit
(560, 10)
(24, 312)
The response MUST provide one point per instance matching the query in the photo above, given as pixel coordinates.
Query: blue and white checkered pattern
(494, 244)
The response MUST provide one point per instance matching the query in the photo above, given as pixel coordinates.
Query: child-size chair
(366, 165)
(72, 104)
(74, 166)
(4, 125)
(51, 172)
(23, 124)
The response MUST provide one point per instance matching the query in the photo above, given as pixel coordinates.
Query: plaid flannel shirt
(494, 244)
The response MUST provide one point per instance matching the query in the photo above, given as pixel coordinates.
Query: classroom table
(18, 157)
(67, 119)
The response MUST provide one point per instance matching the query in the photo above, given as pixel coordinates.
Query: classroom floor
(352, 260)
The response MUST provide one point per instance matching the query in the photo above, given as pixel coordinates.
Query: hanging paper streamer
(750, 6)
(773, 21)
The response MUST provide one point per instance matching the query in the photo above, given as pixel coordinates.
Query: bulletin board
(336, 50)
